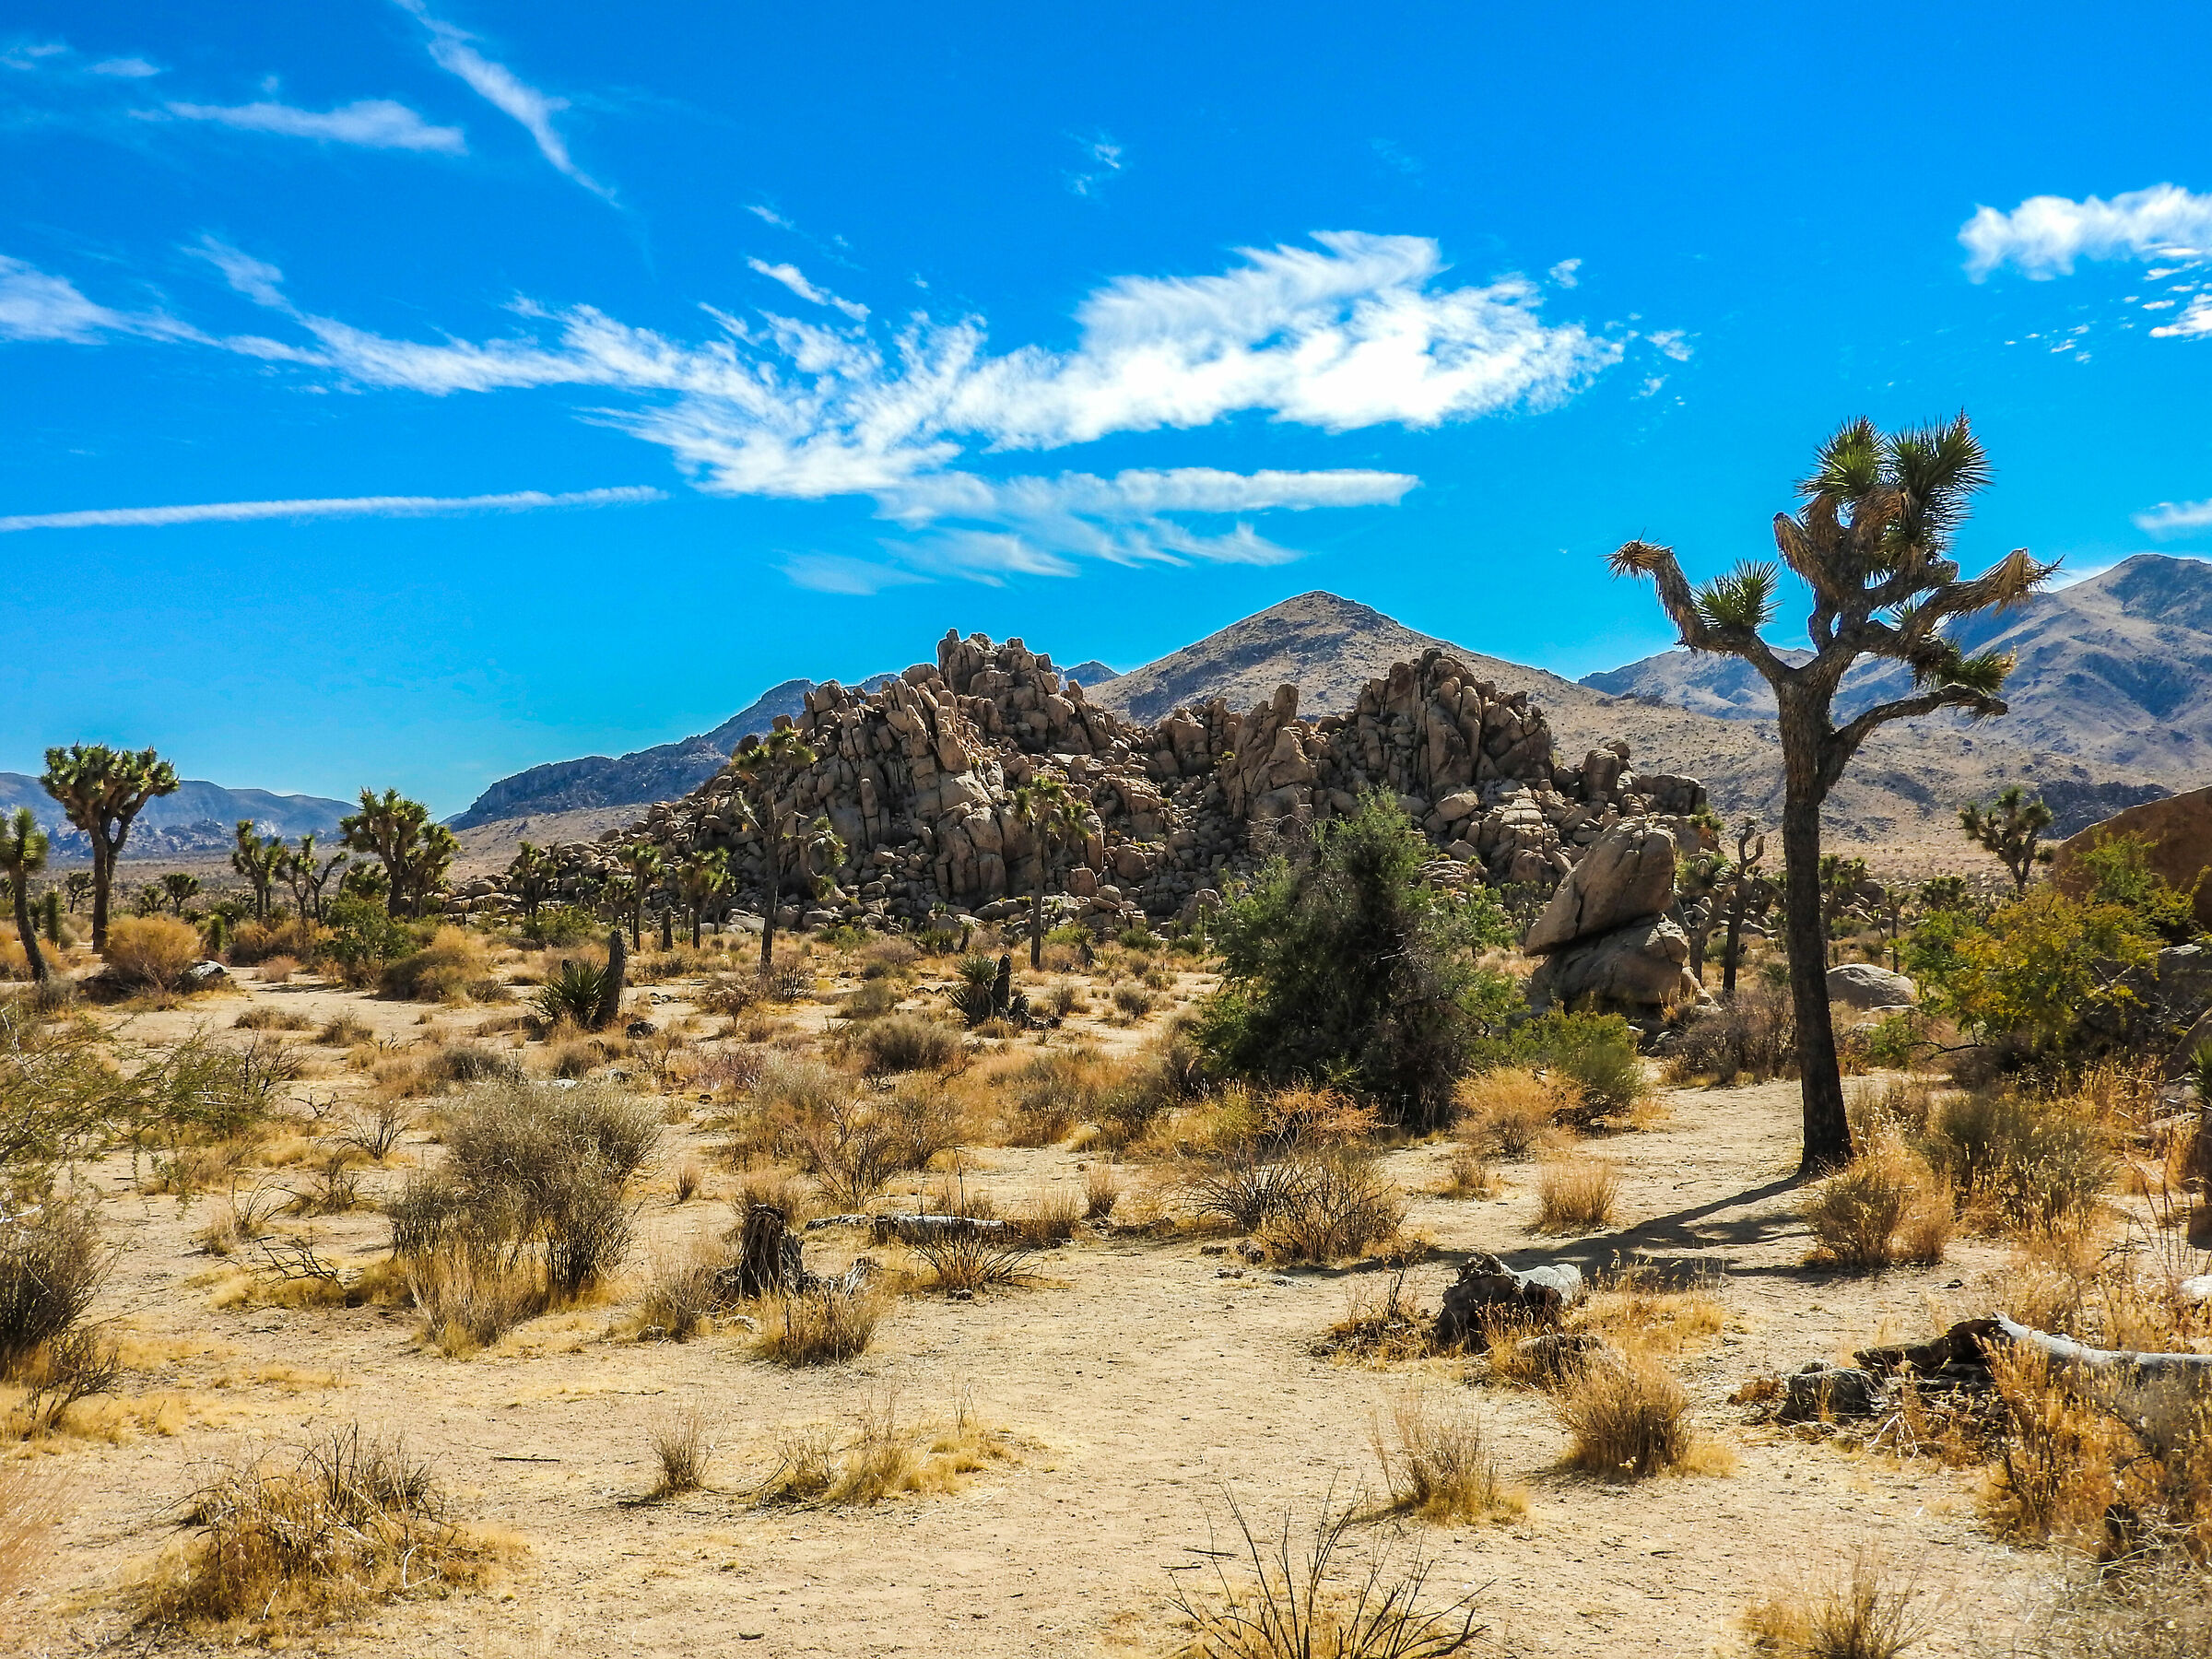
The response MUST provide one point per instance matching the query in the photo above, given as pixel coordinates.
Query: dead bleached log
(900, 1226)
(2120, 1365)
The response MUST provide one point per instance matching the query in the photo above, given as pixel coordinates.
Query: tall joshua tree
(307, 872)
(2011, 827)
(416, 853)
(180, 887)
(534, 876)
(699, 879)
(23, 856)
(261, 860)
(1054, 816)
(766, 770)
(1872, 542)
(1751, 853)
(102, 791)
(645, 864)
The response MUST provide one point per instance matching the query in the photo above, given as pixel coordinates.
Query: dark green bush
(1344, 970)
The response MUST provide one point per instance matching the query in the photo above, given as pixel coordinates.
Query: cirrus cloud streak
(205, 513)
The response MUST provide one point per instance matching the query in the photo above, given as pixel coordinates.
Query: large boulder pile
(1606, 941)
(2179, 832)
(916, 778)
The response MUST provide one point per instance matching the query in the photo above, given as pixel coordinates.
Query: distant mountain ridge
(201, 817)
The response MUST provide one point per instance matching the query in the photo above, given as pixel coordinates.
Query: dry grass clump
(1382, 1323)
(276, 969)
(1132, 1002)
(51, 1265)
(879, 1457)
(344, 1032)
(1469, 1174)
(1626, 1417)
(2152, 1606)
(1273, 1596)
(1102, 1190)
(152, 950)
(1342, 1207)
(284, 1542)
(455, 968)
(906, 1042)
(681, 1446)
(29, 1505)
(265, 1019)
(1576, 1194)
(528, 1209)
(1511, 1112)
(1437, 1462)
(2023, 1161)
(975, 1258)
(1864, 1610)
(681, 1297)
(1886, 1207)
(1053, 1092)
(825, 1325)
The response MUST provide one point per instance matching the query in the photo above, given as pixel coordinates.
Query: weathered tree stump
(1487, 1292)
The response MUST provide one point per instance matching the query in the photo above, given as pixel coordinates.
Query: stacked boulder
(1605, 938)
(916, 780)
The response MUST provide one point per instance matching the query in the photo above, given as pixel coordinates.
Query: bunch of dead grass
(877, 1455)
(1437, 1461)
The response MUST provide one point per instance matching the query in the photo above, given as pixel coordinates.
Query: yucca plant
(572, 993)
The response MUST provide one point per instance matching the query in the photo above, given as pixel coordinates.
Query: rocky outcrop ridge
(916, 778)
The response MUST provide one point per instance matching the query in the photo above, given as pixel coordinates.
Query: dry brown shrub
(284, 1542)
(969, 1259)
(690, 1177)
(1102, 1190)
(879, 1457)
(1576, 1194)
(1864, 1610)
(265, 1019)
(1341, 1207)
(681, 1297)
(1437, 1462)
(1511, 1112)
(1051, 1218)
(826, 1326)
(1469, 1174)
(344, 1032)
(1628, 1417)
(152, 950)
(1886, 1207)
(469, 1299)
(275, 969)
(681, 1446)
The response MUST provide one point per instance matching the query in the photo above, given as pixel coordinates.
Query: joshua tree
(699, 878)
(306, 871)
(180, 887)
(1872, 542)
(534, 876)
(50, 915)
(416, 853)
(1943, 893)
(1702, 880)
(78, 884)
(645, 864)
(1054, 816)
(23, 856)
(1840, 879)
(1751, 853)
(765, 770)
(2011, 827)
(261, 860)
(100, 791)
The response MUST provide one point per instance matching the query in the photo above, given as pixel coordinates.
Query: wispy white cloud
(2044, 235)
(372, 123)
(127, 68)
(1565, 273)
(454, 51)
(791, 279)
(36, 305)
(770, 216)
(1359, 332)
(521, 501)
(2174, 518)
(836, 573)
(1102, 159)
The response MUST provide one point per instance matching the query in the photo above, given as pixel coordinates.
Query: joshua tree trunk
(668, 928)
(610, 991)
(1827, 1129)
(103, 877)
(26, 932)
(1037, 923)
(697, 910)
(772, 856)
(1732, 952)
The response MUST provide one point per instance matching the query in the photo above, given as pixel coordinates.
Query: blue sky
(407, 392)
